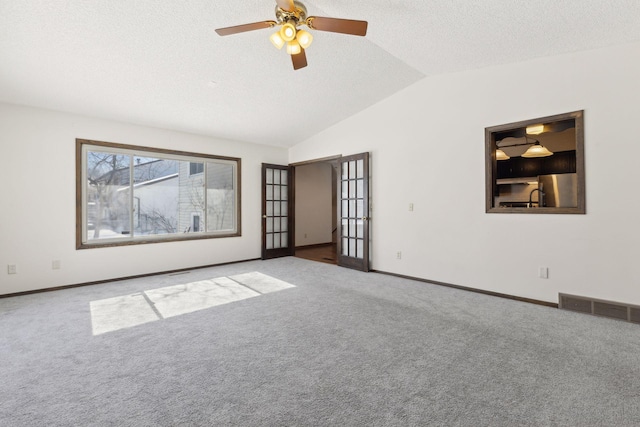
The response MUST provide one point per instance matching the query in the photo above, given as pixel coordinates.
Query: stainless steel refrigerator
(561, 190)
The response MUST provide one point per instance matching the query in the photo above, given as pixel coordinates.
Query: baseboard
(418, 279)
(478, 291)
(118, 279)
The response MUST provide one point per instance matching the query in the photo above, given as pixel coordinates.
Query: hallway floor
(322, 253)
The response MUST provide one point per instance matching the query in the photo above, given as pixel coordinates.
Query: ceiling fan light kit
(288, 31)
(277, 40)
(289, 15)
(293, 48)
(304, 38)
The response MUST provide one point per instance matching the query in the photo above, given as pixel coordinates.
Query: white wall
(427, 148)
(314, 216)
(37, 215)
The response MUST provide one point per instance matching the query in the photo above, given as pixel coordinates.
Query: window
(195, 222)
(196, 168)
(132, 195)
(536, 166)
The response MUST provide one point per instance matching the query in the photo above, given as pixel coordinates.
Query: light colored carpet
(112, 314)
(341, 348)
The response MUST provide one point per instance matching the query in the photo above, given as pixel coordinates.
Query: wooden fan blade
(299, 60)
(286, 5)
(245, 27)
(336, 25)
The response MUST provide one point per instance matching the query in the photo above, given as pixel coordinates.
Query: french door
(353, 216)
(277, 211)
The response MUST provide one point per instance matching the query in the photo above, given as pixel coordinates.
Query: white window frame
(84, 146)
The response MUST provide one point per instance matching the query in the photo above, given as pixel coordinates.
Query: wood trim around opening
(491, 165)
(321, 160)
(178, 238)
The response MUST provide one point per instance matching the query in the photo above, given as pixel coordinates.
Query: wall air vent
(613, 310)
(582, 305)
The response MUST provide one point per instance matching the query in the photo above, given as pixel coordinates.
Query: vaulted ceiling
(161, 63)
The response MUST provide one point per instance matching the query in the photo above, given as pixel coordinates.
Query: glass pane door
(276, 208)
(353, 185)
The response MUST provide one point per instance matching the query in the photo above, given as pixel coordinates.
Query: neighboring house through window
(136, 195)
(196, 168)
(195, 222)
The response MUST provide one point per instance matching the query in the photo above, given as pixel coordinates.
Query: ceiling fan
(289, 15)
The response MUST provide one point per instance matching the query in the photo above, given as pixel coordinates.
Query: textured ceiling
(161, 63)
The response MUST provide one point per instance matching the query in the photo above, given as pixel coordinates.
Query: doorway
(334, 210)
(316, 211)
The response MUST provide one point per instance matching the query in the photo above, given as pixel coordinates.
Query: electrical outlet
(410, 207)
(11, 269)
(399, 255)
(543, 272)
(305, 235)
(55, 264)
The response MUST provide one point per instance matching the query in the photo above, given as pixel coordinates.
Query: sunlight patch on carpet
(181, 299)
(107, 314)
(121, 312)
(261, 282)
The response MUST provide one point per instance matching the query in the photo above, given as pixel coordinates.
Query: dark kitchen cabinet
(517, 167)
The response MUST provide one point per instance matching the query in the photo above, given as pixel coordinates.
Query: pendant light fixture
(537, 150)
(501, 155)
